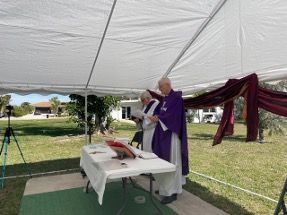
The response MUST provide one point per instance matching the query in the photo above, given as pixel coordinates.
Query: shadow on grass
(204, 136)
(53, 128)
(57, 130)
(42, 166)
(218, 201)
(47, 131)
(124, 126)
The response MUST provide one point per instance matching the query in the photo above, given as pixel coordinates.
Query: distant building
(207, 115)
(45, 107)
(42, 108)
(127, 107)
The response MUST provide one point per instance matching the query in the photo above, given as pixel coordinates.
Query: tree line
(99, 111)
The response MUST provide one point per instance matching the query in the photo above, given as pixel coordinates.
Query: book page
(148, 155)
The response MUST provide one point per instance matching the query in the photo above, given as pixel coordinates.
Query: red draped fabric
(255, 97)
(273, 101)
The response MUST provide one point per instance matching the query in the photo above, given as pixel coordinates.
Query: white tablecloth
(100, 167)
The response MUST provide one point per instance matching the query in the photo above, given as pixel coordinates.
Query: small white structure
(127, 107)
(208, 115)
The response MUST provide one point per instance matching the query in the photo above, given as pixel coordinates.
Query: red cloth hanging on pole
(252, 118)
(226, 126)
(255, 97)
(273, 101)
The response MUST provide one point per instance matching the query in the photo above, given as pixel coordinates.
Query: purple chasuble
(172, 114)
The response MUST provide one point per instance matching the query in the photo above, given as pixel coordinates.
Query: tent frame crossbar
(92, 69)
(195, 36)
(101, 43)
(183, 51)
(86, 117)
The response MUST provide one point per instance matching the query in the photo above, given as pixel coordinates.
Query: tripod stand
(6, 141)
(281, 203)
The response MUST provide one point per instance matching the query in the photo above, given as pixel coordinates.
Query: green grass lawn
(55, 144)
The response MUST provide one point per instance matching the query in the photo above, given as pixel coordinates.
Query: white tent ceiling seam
(195, 36)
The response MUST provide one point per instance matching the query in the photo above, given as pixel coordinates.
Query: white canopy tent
(121, 47)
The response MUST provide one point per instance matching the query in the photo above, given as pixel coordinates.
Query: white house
(207, 115)
(127, 107)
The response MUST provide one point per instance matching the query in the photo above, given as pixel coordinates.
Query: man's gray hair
(145, 94)
(164, 80)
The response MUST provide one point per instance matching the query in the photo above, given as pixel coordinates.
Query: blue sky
(34, 98)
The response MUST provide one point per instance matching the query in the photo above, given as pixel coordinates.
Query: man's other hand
(153, 118)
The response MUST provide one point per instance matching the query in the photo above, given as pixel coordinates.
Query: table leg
(120, 211)
(151, 194)
(87, 186)
(135, 185)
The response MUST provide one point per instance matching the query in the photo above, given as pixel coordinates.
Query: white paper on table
(147, 155)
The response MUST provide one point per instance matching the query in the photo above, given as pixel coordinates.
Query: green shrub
(18, 111)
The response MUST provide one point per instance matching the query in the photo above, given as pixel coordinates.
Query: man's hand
(153, 118)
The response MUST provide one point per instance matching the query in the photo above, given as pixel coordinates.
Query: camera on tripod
(9, 132)
(8, 110)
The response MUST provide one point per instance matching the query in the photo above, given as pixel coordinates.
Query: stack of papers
(147, 155)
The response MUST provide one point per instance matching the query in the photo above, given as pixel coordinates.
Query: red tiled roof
(42, 104)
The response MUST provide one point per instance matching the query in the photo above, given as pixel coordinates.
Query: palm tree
(55, 103)
(4, 101)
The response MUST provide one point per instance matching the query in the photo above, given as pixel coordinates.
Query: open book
(138, 114)
(123, 148)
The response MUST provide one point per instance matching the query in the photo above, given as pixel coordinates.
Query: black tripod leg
(4, 162)
(3, 142)
(281, 203)
(5, 139)
(28, 169)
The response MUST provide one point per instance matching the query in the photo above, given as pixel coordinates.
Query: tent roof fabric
(50, 46)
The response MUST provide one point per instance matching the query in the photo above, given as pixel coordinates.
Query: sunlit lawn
(50, 145)
(261, 168)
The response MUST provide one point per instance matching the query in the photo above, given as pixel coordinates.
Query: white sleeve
(164, 128)
(147, 124)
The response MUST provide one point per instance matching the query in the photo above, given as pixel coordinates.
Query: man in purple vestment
(170, 141)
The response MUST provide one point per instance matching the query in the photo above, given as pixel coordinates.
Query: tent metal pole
(195, 36)
(86, 117)
(101, 43)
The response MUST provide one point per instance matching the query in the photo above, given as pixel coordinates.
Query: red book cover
(121, 147)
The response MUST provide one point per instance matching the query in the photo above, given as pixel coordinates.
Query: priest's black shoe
(169, 199)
